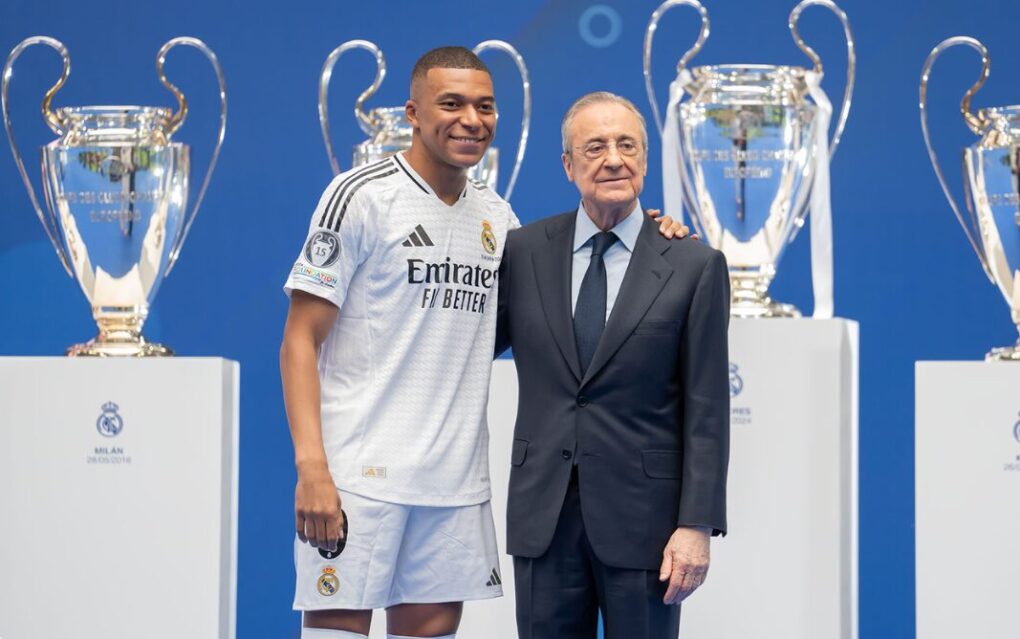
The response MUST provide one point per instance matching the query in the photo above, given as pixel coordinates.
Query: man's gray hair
(600, 97)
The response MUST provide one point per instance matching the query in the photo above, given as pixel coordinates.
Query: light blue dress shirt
(616, 257)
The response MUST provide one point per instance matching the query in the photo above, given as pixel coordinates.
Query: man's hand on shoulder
(685, 562)
(670, 228)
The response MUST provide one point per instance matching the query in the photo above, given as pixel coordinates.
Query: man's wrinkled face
(607, 159)
(455, 111)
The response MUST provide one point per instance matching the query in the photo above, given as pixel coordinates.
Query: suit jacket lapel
(646, 275)
(553, 263)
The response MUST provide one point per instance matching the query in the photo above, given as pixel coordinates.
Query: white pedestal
(788, 568)
(967, 473)
(118, 522)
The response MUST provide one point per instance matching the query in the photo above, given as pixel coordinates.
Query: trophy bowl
(115, 189)
(746, 151)
(747, 139)
(991, 175)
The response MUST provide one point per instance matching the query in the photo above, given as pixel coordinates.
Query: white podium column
(967, 483)
(788, 567)
(118, 498)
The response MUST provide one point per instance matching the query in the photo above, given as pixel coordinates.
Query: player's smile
(473, 146)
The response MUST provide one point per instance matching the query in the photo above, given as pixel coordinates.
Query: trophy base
(764, 309)
(120, 335)
(103, 348)
(1004, 354)
(749, 297)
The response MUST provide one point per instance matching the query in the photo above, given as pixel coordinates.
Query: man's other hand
(317, 507)
(685, 562)
(670, 228)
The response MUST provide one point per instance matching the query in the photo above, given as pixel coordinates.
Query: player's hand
(670, 228)
(317, 507)
(685, 562)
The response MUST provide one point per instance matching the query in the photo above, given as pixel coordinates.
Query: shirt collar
(626, 229)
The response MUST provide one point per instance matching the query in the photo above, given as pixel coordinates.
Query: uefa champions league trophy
(388, 129)
(747, 153)
(116, 193)
(991, 178)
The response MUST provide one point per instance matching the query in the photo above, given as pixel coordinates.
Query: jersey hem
(405, 499)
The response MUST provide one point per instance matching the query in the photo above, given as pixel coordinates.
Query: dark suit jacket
(647, 424)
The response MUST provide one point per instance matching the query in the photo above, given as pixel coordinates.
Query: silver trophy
(991, 177)
(116, 193)
(746, 151)
(388, 129)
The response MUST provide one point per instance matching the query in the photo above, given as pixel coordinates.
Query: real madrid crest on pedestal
(110, 422)
(736, 382)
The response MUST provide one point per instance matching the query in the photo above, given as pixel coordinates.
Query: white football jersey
(405, 369)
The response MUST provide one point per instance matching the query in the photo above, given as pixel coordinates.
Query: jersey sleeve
(514, 222)
(337, 243)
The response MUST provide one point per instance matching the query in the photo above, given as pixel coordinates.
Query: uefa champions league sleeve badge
(322, 249)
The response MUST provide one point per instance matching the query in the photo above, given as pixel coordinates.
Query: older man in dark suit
(620, 449)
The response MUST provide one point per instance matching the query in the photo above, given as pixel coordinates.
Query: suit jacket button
(567, 454)
(582, 401)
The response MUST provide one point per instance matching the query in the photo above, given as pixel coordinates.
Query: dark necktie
(590, 311)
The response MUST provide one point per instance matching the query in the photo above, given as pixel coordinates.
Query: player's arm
(317, 287)
(316, 501)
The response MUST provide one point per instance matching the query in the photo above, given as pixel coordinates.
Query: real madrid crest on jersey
(110, 423)
(328, 583)
(488, 238)
(322, 249)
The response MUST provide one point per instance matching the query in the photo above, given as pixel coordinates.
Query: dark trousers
(560, 594)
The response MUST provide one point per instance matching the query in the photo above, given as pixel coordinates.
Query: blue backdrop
(903, 267)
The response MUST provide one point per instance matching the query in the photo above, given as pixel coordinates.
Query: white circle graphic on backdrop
(584, 25)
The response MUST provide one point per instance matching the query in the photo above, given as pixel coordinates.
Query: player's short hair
(600, 97)
(447, 58)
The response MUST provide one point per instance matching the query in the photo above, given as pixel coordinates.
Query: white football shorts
(397, 554)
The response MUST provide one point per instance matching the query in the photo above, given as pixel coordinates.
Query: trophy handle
(508, 49)
(58, 125)
(366, 121)
(653, 24)
(177, 119)
(976, 124)
(851, 60)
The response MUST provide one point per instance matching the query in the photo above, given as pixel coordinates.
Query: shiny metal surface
(388, 129)
(991, 172)
(116, 191)
(748, 155)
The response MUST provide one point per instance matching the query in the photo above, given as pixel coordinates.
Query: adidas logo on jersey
(494, 579)
(418, 237)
